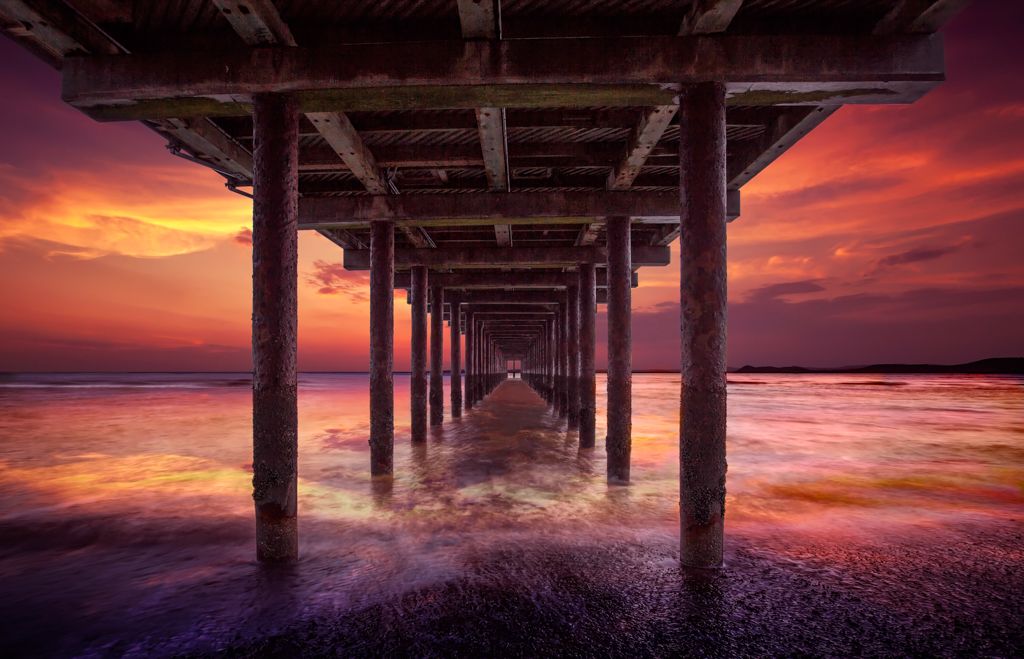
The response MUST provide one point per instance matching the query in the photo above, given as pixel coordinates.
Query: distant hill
(993, 366)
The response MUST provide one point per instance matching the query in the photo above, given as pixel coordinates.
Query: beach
(866, 514)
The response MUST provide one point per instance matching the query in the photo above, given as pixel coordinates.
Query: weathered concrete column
(563, 357)
(703, 300)
(573, 345)
(470, 372)
(274, 322)
(436, 355)
(455, 308)
(618, 441)
(382, 333)
(588, 381)
(418, 356)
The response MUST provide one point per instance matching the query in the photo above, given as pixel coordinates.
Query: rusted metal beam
(758, 69)
(491, 257)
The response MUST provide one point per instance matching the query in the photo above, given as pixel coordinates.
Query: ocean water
(126, 522)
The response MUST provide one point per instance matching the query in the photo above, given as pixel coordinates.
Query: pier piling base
(274, 325)
(703, 301)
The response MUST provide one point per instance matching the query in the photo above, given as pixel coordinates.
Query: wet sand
(500, 540)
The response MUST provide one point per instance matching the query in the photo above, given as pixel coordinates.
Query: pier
(510, 170)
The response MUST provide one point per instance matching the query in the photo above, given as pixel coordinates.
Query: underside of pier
(513, 165)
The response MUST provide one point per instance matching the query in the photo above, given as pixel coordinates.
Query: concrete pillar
(456, 355)
(588, 381)
(418, 356)
(703, 301)
(573, 346)
(470, 372)
(382, 333)
(436, 355)
(274, 320)
(563, 357)
(618, 441)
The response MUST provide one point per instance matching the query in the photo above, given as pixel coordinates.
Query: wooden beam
(785, 131)
(758, 70)
(341, 135)
(503, 235)
(709, 16)
(919, 16)
(318, 212)
(642, 141)
(256, 21)
(56, 30)
(481, 19)
(491, 257)
(346, 240)
(205, 140)
(588, 234)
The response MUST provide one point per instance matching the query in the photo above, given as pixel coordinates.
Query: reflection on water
(126, 517)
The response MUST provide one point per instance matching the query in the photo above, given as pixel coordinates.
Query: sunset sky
(891, 233)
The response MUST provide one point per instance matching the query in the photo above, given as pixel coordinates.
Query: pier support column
(382, 332)
(573, 345)
(703, 300)
(418, 356)
(563, 358)
(455, 308)
(618, 441)
(470, 370)
(436, 355)
(588, 381)
(274, 322)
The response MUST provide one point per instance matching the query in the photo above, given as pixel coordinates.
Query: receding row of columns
(557, 351)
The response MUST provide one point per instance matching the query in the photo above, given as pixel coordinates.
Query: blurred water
(126, 516)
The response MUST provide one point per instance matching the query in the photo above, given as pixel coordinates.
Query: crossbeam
(518, 257)
(322, 212)
(757, 70)
(506, 279)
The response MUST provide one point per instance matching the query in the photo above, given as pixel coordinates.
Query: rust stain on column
(618, 441)
(274, 321)
(703, 297)
(436, 355)
(456, 356)
(418, 357)
(588, 382)
(572, 344)
(382, 329)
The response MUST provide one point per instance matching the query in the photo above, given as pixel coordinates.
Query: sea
(866, 514)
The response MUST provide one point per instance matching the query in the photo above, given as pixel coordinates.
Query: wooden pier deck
(512, 164)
